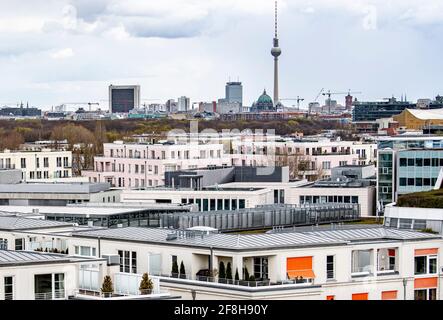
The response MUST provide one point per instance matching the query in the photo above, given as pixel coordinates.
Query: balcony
(215, 281)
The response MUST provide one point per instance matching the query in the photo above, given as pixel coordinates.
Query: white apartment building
(130, 165)
(348, 263)
(38, 165)
(307, 159)
(208, 199)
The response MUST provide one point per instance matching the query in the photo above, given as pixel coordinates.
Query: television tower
(276, 52)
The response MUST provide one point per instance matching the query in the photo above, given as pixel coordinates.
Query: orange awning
(297, 267)
(424, 252)
(389, 295)
(305, 274)
(425, 283)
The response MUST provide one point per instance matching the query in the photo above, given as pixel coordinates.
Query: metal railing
(244, 283)
(57, 294)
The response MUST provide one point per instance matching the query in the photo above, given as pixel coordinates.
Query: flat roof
(16, 258)
(244, 242)
(18, 223)
(57, 188)
(88, 210)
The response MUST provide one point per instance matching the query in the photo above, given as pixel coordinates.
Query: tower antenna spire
(276, 19)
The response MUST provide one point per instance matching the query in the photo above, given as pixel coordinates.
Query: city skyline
(62, 51)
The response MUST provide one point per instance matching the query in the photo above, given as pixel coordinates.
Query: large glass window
(403, 162)
(420, 265)
(419, 162)
(261, 268)
(361, 261)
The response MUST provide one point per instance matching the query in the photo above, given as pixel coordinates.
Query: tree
(221, 272)
(174, 271)
(182, 271)
(146, 284)
(229, 271)
(107, 286)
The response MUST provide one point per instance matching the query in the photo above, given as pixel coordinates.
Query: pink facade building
(138, 165)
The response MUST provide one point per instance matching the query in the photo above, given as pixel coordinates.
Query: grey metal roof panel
(18, 223)
(257, 241)
(8, 258)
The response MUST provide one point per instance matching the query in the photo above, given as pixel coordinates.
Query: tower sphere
(276, 51)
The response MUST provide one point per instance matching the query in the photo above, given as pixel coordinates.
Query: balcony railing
(244, 283)
(57, 294)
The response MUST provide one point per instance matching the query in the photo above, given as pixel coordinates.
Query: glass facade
(123, 100)
(385, 177)
(418, 170)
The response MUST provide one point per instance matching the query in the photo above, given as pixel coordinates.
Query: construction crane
(329, 94)
(319, 94)
(298, 99)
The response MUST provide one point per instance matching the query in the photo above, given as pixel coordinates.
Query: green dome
(264, 98)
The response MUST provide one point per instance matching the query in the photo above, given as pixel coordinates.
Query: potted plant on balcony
(107, 287)
(146, 285)
(174, 271)
(252, 281)
(182, 271)
(237, 277)
(229, 273)
(221, 272)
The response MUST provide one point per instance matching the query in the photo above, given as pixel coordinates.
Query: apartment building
(345, 263)
(37, 165)
(309, 159)
(138, 165)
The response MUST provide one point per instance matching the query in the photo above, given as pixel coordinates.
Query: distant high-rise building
(234, 92)
(183, 104)
(123, 99)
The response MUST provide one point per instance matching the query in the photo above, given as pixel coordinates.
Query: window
(59, 161)
(3, 244)
(403, 162)
(405, 223)
(9, 288)
(23, 163)
(128, 261)
(425, 294)
(326, 165)
(330, 273)
(419, 162)
(361, 261)
(425, 265)
(411, 163)
(411, 181)
(418, 182)
(65, 161)
(46, 162)
(426, 162)
(403, 182)
(19, 244)
(261, 268)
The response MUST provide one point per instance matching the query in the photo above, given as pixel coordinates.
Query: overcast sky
(60, 51)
